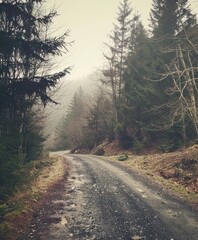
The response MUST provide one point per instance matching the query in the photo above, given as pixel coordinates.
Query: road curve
(103, 200)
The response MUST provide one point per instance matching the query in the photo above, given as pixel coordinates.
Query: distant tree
(61, 138)
(100, 120)
(71, 128)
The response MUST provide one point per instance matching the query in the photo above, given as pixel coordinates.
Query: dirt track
(99, 200)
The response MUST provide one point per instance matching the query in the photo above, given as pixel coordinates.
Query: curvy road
(103, 200)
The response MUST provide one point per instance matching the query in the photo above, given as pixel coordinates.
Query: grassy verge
(17, 211)
(177, 172)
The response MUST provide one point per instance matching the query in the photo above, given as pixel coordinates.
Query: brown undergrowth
(176, 171)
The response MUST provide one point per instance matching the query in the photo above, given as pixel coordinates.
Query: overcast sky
(90, 22)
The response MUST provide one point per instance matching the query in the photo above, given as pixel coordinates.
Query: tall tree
(25, 50)
(100, 120)
(172, 22)
(116, 58)
(169, 17)
(139, 94)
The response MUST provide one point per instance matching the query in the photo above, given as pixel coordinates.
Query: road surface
(103, 200)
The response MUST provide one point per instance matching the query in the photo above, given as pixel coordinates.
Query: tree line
(26, 83)
(148, 90)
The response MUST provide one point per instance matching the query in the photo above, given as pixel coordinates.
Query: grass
(17, 211)
(177, 171)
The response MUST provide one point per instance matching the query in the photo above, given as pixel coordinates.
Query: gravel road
(103, 200)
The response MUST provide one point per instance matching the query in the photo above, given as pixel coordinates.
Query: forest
(26, 84)
(147, 91)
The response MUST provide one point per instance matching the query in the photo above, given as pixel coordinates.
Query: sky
(90, 22)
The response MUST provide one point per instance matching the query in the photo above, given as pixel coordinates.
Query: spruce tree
(25, 51)
(138, 93)
(116, 58)
(169, 17)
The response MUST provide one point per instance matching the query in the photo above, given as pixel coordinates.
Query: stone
(136, 238)
(170, 173)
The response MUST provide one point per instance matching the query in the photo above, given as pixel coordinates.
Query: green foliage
(168, 18)
(25, 54)
(149, 105)
(33, 134)
(11, 171)
(137, 145)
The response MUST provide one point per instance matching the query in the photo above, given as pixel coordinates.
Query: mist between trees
(147, 94)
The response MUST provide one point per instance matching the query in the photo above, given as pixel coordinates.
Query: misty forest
(147, 92)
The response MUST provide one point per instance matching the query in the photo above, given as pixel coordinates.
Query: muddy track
(102, 200)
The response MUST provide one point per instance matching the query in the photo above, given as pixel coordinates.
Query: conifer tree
(138, 92)
(169, 17)
(71, 128)
(25, 50)
(116, 58)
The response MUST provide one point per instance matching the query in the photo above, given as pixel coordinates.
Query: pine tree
(138, 92)
(116, 58)
(100, 120)
(25, 50)
(71, 128)
(169, 17)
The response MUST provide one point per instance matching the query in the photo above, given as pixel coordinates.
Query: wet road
(103, 200)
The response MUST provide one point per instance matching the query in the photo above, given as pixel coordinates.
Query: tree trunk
(192, 99)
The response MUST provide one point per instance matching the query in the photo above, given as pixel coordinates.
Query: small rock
(140, 190)
(170, 173)
(136, 238)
